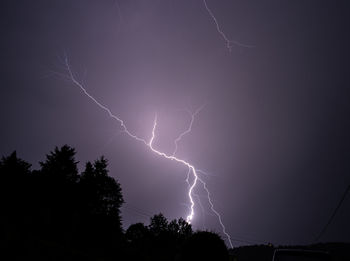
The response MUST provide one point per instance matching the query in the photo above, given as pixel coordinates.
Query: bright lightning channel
(229, 43)
(187, 164)
(191, 168)
(176, 141)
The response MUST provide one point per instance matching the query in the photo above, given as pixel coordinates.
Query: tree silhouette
(158, 225)
(61, 164)
(180, 228)
(137, 233)
(14, 175)
(54, 213)
(138, 238)
(100, 202)
(66, 213)
(104, 194)
(161, 240)
(204, 245)
(14, 202)
(57, 209)
(12, 166)
(56, 195)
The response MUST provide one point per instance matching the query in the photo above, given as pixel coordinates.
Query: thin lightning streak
(188, 178)
(216, 213)
(206, 173)
(191, 168)
(75, 81)
(229, 43)
(189, 129)
(202, 209)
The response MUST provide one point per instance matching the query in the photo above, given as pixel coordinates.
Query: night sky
(274, 132)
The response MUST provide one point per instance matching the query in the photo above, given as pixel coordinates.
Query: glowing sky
(273, 134)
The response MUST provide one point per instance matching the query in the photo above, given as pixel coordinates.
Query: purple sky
(274, 132)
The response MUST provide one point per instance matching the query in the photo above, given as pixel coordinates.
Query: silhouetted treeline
(175, 240)
(57, 213)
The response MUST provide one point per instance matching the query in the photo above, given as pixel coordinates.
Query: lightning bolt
(196, 196)
(77, 83)
(189, 129)
(149, 144)
(176, 141)
(229, 43)
(190, 167)
(216, 212)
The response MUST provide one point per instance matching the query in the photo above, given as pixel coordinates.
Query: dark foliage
(160, 240)
(57, 213)
(204, 245)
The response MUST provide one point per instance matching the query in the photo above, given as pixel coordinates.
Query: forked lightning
(149, 144)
